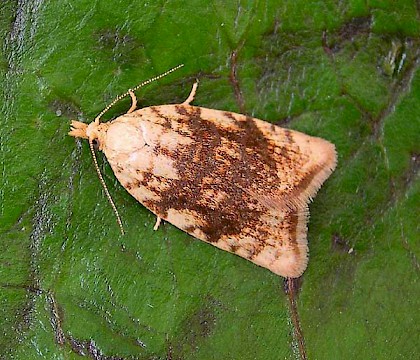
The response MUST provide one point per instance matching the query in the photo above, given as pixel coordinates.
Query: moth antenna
(108, 195)
(119, 97)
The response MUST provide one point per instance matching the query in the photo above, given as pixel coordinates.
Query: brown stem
(292, 285)
(235, 82)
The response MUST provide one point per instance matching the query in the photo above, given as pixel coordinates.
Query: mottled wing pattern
(237, 182)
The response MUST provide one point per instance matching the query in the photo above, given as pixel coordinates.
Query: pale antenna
(119, 97)
(108, 195)
(92, 150)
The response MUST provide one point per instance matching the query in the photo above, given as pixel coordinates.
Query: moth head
(94, 132)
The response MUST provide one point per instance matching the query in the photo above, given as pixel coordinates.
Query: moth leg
(192, 94)
(133, 101)
(158, 221)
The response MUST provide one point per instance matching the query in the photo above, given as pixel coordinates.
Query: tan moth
(236, 182)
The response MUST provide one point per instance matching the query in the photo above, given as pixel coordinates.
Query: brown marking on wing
(307, 180)
(180, 109)
(259, 245)
(288, 135)
(229, 115)
(303, 186)
(293, 224)
(233, 248)
(206, 157)
(145, 180)
(256, 140)
(167, 123)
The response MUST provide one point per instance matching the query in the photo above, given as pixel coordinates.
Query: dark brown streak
(55, 320)
(253, 138)
(234, 80)
(229, 115)
(306, 181)
(85, 348)
(234, 248)
(294, 221)
(168, 122)
(181, 110)
(291, 292)
(205, 158)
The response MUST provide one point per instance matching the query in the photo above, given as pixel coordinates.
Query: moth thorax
(124, 138)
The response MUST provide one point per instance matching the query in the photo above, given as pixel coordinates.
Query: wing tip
(326, 163)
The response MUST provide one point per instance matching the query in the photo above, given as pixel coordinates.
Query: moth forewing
(231, 180)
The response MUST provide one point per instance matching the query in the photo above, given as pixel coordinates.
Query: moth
(231, 180)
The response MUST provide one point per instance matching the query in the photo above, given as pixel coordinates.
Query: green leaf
(72, 286)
